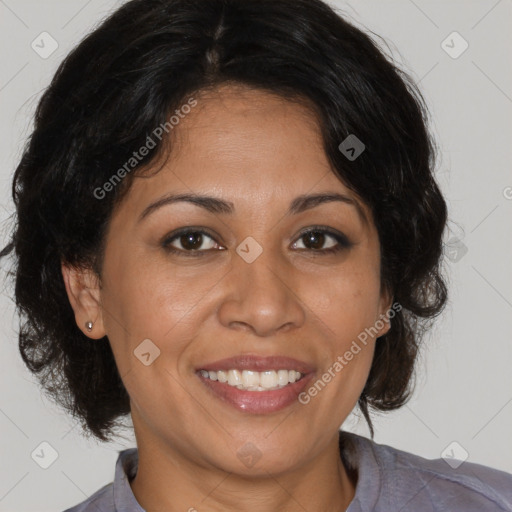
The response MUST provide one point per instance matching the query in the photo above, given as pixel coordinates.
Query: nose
(262, 296)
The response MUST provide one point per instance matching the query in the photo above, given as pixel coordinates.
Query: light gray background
(464, 387)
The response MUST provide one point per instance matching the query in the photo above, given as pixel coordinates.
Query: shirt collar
(126, 469)
(358, 455)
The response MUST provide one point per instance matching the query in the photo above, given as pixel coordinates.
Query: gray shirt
(388, 480)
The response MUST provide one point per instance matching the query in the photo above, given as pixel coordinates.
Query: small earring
(88, 325)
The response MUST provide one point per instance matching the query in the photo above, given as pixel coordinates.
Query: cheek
(346, 303)
(159, 398)
(346, 307)
(145, 294)
(151, 307)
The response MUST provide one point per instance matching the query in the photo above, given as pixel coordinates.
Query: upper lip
(257, 363)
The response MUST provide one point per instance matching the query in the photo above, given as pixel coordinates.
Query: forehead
(245, 145)
(251, 128)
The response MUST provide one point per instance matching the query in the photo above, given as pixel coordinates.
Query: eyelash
(343, 241)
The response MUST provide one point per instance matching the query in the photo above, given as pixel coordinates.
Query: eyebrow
(220, 206)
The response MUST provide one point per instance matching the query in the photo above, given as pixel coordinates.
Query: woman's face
(252, 285)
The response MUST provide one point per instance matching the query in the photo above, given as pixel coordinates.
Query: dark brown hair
(135, 69)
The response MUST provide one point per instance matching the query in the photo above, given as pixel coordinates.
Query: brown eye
(189, 241)
(314, 240)
(192, 241)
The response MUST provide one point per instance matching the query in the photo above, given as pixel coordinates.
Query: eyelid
(324, 229)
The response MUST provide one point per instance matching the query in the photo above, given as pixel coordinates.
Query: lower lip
(257, 402)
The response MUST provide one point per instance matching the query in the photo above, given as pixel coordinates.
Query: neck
(166, 480)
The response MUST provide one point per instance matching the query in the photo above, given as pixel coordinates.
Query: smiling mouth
(254, 383)
(256, 399)
(250, 380)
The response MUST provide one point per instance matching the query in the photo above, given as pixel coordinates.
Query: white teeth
(234, 377)
(268, 379)
(254, 381)
(250, 379)
(282, 377)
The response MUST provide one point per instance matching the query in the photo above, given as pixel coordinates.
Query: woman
(229, 229)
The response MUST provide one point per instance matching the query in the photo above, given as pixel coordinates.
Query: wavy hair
(134, 70)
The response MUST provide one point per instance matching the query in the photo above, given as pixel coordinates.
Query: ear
(385, 303)
(84, 294)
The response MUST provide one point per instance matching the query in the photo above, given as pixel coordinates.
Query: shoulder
(102, 499)
(116, 495)
(416, 483)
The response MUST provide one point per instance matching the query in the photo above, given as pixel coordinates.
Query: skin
(259, 152)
